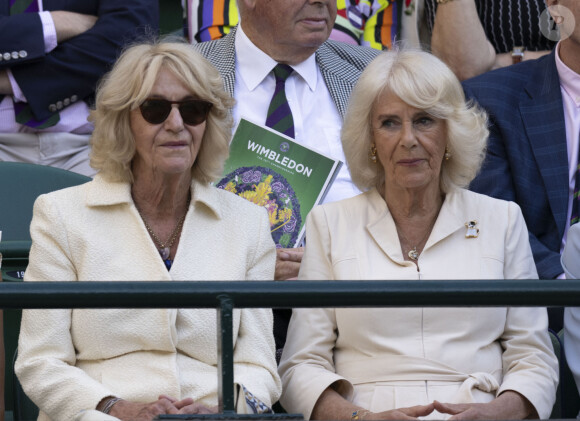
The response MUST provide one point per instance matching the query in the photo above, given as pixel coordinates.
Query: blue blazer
(527, 158)
(71, 71)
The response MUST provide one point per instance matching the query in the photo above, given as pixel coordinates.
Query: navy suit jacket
(527, 158)
(73, 68)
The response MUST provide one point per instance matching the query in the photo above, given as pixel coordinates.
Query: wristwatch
(518, 54)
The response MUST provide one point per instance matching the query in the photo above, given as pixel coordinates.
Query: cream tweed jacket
(70, 359)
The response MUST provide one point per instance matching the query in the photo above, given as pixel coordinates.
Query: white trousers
(62, 150)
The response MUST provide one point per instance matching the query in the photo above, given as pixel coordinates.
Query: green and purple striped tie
(574, 216)
(279, 113)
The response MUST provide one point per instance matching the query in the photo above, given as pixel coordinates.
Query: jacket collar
(101, 193)
(452, 217)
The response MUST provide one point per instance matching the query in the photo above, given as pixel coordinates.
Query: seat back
(568, 388)
(558, 350)
(20, 185)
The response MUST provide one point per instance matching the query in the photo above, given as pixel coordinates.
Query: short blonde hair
(422, 81)
(131, 81)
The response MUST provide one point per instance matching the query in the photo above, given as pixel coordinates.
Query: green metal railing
(225, 296)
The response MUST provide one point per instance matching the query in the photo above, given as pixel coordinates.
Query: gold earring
(373, 153)
(447, 154)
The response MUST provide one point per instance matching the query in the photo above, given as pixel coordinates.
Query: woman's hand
(507, 406)
(410, 413)
(332, 406)
(188, 406)
(132, 411)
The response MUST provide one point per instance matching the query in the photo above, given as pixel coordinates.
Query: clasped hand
(508, 406)
(133, 411)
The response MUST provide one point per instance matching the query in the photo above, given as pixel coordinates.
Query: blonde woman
(162, 128)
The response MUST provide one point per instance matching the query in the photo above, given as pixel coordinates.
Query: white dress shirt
(317, 122)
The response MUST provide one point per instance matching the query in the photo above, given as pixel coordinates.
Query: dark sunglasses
(193, 111)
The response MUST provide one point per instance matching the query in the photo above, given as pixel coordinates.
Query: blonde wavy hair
(131, 81)
(422, 81)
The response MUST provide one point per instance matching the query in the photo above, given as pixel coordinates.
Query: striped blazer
(340, 64)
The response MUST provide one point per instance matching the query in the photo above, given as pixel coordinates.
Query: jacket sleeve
(46, 354)
(254, 353)
(254, 356)
(572, 341)
(307, 364)
(21, 33)
(529, 364)
(74, 67)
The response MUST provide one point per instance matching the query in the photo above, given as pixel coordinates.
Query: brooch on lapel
(472, 230)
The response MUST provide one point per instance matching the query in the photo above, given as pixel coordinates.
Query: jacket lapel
(543, 117)
(383, 230)
(339, 76)
(227, 65)
(222, 54)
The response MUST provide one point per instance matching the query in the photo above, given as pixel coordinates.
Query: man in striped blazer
(292, 32)
(295, 33)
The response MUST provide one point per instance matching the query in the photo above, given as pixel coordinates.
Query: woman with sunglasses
(162, 127)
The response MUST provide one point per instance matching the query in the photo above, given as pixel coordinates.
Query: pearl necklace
(164, 247)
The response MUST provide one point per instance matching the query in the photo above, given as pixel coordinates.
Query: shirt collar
(255, 65)
(101, 192)
(569, 79)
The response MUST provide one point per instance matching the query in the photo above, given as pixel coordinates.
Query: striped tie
(574, 215)
(22, 110)
(279, 113)
(23, 6)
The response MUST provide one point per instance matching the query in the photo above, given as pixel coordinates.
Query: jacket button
(74, 98)
(22, 54)
(6, 56)
(66, 102)
(59, 105)
(15, 55)
(52, 108)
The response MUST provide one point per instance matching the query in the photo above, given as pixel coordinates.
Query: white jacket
(386, 358)
(70, 359)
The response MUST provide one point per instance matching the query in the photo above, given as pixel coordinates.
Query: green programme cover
(274, 171)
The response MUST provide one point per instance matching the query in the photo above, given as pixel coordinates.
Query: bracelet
(109, 404)
(359, 414)
(443, 1)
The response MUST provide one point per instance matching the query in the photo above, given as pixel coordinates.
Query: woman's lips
(410, 162)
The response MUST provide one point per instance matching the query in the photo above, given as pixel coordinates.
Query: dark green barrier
(225, 296)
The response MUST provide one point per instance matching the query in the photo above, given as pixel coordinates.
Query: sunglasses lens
(194, 112)
(155, 111)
